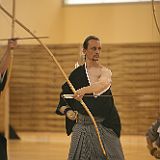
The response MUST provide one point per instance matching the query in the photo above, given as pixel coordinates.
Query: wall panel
(36, 83)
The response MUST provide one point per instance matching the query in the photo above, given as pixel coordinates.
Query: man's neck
(92, 64)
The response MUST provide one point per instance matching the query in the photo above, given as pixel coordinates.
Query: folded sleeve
(62, 101)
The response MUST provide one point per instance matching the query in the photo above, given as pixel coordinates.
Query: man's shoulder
(107, 70)
(78, 69)
(105, 67)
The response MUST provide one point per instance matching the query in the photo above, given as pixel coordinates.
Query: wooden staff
(155, 21)
(64, 74)
(155, 17)
(21, 38)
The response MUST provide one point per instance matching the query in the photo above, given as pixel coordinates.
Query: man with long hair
(92, 82)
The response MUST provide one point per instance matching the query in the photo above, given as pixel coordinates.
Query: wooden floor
(54, 146)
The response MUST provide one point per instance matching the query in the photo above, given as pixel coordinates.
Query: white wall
(114, 23)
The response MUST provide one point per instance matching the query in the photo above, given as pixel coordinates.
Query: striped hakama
(85, 145)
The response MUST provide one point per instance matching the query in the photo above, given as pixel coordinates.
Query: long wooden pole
(65, 76)
(13, 18)
(155, 17)
(22, 38)
(7, 97)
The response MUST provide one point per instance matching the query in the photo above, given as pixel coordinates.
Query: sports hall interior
(130, 48)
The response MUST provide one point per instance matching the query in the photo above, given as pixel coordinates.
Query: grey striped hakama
(85, 145)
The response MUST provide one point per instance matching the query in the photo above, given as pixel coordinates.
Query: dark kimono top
(101, 106)
(3, 80)
(154, 132)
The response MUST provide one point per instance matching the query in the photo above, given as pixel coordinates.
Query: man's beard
(96, 58)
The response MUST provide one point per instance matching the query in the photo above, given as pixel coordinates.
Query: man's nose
(97, 50)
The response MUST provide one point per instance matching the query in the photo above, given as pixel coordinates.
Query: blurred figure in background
(153, 139)
(4, 64)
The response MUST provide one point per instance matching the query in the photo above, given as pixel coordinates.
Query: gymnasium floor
(54, 146)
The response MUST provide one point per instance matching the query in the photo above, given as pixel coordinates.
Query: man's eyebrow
(96, 47)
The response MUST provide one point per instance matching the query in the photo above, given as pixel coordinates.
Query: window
(78, 2)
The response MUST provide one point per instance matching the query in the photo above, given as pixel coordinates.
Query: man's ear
(84, 51)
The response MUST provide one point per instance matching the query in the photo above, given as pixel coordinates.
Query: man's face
(93, 50)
